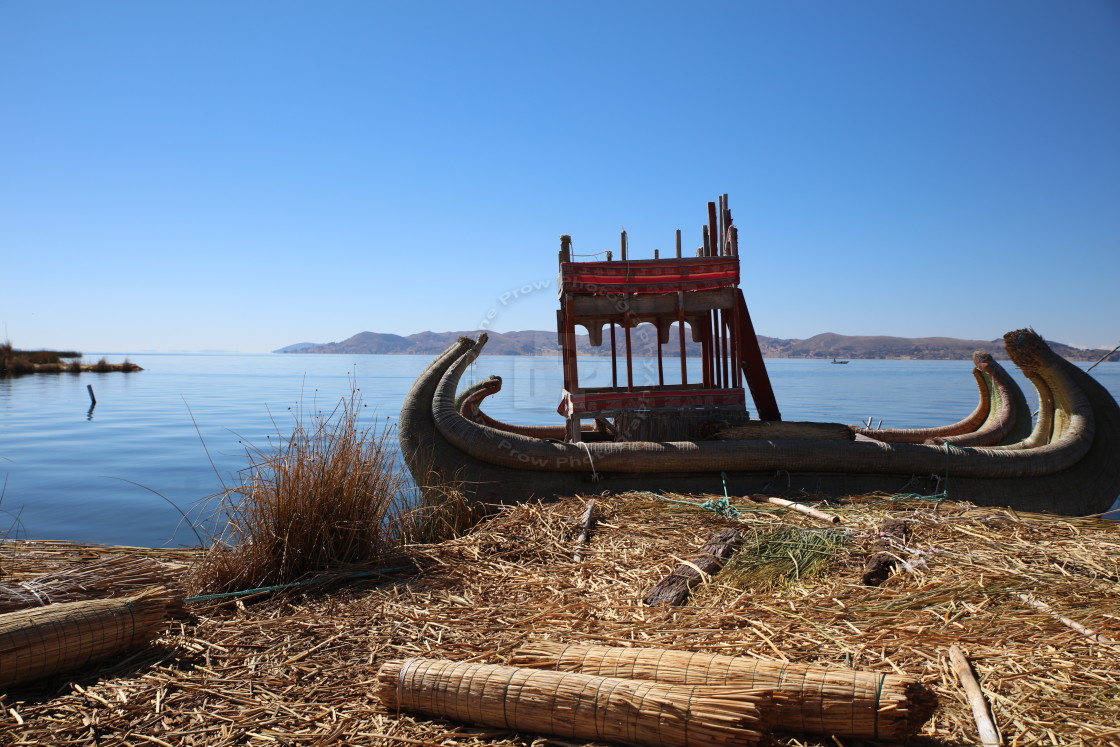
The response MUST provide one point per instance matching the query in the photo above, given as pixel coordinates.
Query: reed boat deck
(302, 669)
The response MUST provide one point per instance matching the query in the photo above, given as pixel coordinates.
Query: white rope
(594, 474)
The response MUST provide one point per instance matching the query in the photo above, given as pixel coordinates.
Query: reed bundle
(576, 706)
(818, 700)
(41, 641)
(112, 576)
(777, 556)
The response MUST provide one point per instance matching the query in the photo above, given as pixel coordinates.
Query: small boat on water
(696, 436)
(839, 363)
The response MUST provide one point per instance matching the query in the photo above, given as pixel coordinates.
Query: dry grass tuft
(329, 496)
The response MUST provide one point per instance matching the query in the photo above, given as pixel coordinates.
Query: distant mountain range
(643, 343)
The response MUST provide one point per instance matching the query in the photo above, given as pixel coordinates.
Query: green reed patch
(772, 558)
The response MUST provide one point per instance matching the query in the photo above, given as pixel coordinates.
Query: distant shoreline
(26, 362)
(643, 343)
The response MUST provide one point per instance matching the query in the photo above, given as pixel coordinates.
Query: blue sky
(245, 175)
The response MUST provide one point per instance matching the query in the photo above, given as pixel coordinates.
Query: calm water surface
(69, 472)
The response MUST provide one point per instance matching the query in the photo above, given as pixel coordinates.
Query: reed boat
(698, 437)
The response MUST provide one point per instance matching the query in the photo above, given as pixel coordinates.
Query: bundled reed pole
(810, 698)
(575, 706)
(42, 641)
(116, 575)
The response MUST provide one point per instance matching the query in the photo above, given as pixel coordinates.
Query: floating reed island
(865, 623)
(21, 362)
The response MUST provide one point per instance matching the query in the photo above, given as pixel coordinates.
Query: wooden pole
(723, 343)
(92, 399)
(660, 363)
(721, 211)
(713, 355)
(680, 327)
(706, 350)
(629, 358)
(713, 230)
(614, 359)
(736, 353)
(989, 735)
(588, 521)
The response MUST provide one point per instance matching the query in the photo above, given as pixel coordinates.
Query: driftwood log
(675, 588)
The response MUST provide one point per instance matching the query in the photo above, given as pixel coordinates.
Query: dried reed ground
(302, 670)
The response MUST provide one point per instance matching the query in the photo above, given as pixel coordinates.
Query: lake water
(69, 472)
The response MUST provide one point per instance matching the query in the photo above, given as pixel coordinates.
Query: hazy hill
(643, 343)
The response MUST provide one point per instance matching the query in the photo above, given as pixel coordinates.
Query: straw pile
(577, 706)
(301, 669)
(821, 699)
(112, 576)
(42, 641)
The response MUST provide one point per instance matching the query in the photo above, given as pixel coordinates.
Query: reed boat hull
(1066, 462)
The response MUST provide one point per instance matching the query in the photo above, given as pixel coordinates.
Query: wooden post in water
(92, 399)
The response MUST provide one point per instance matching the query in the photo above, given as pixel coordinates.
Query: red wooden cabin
(701, 292)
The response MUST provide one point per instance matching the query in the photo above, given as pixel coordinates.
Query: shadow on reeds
(330, 497)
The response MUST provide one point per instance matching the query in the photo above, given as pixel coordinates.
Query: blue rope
(263, 589)
(721, 506)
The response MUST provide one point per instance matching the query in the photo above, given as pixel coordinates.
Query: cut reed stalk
(1041, 606)
(816, 699)
(39, 642)
(575, 706)
(802, 508)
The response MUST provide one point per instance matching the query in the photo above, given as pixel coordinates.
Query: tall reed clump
(327, 497)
